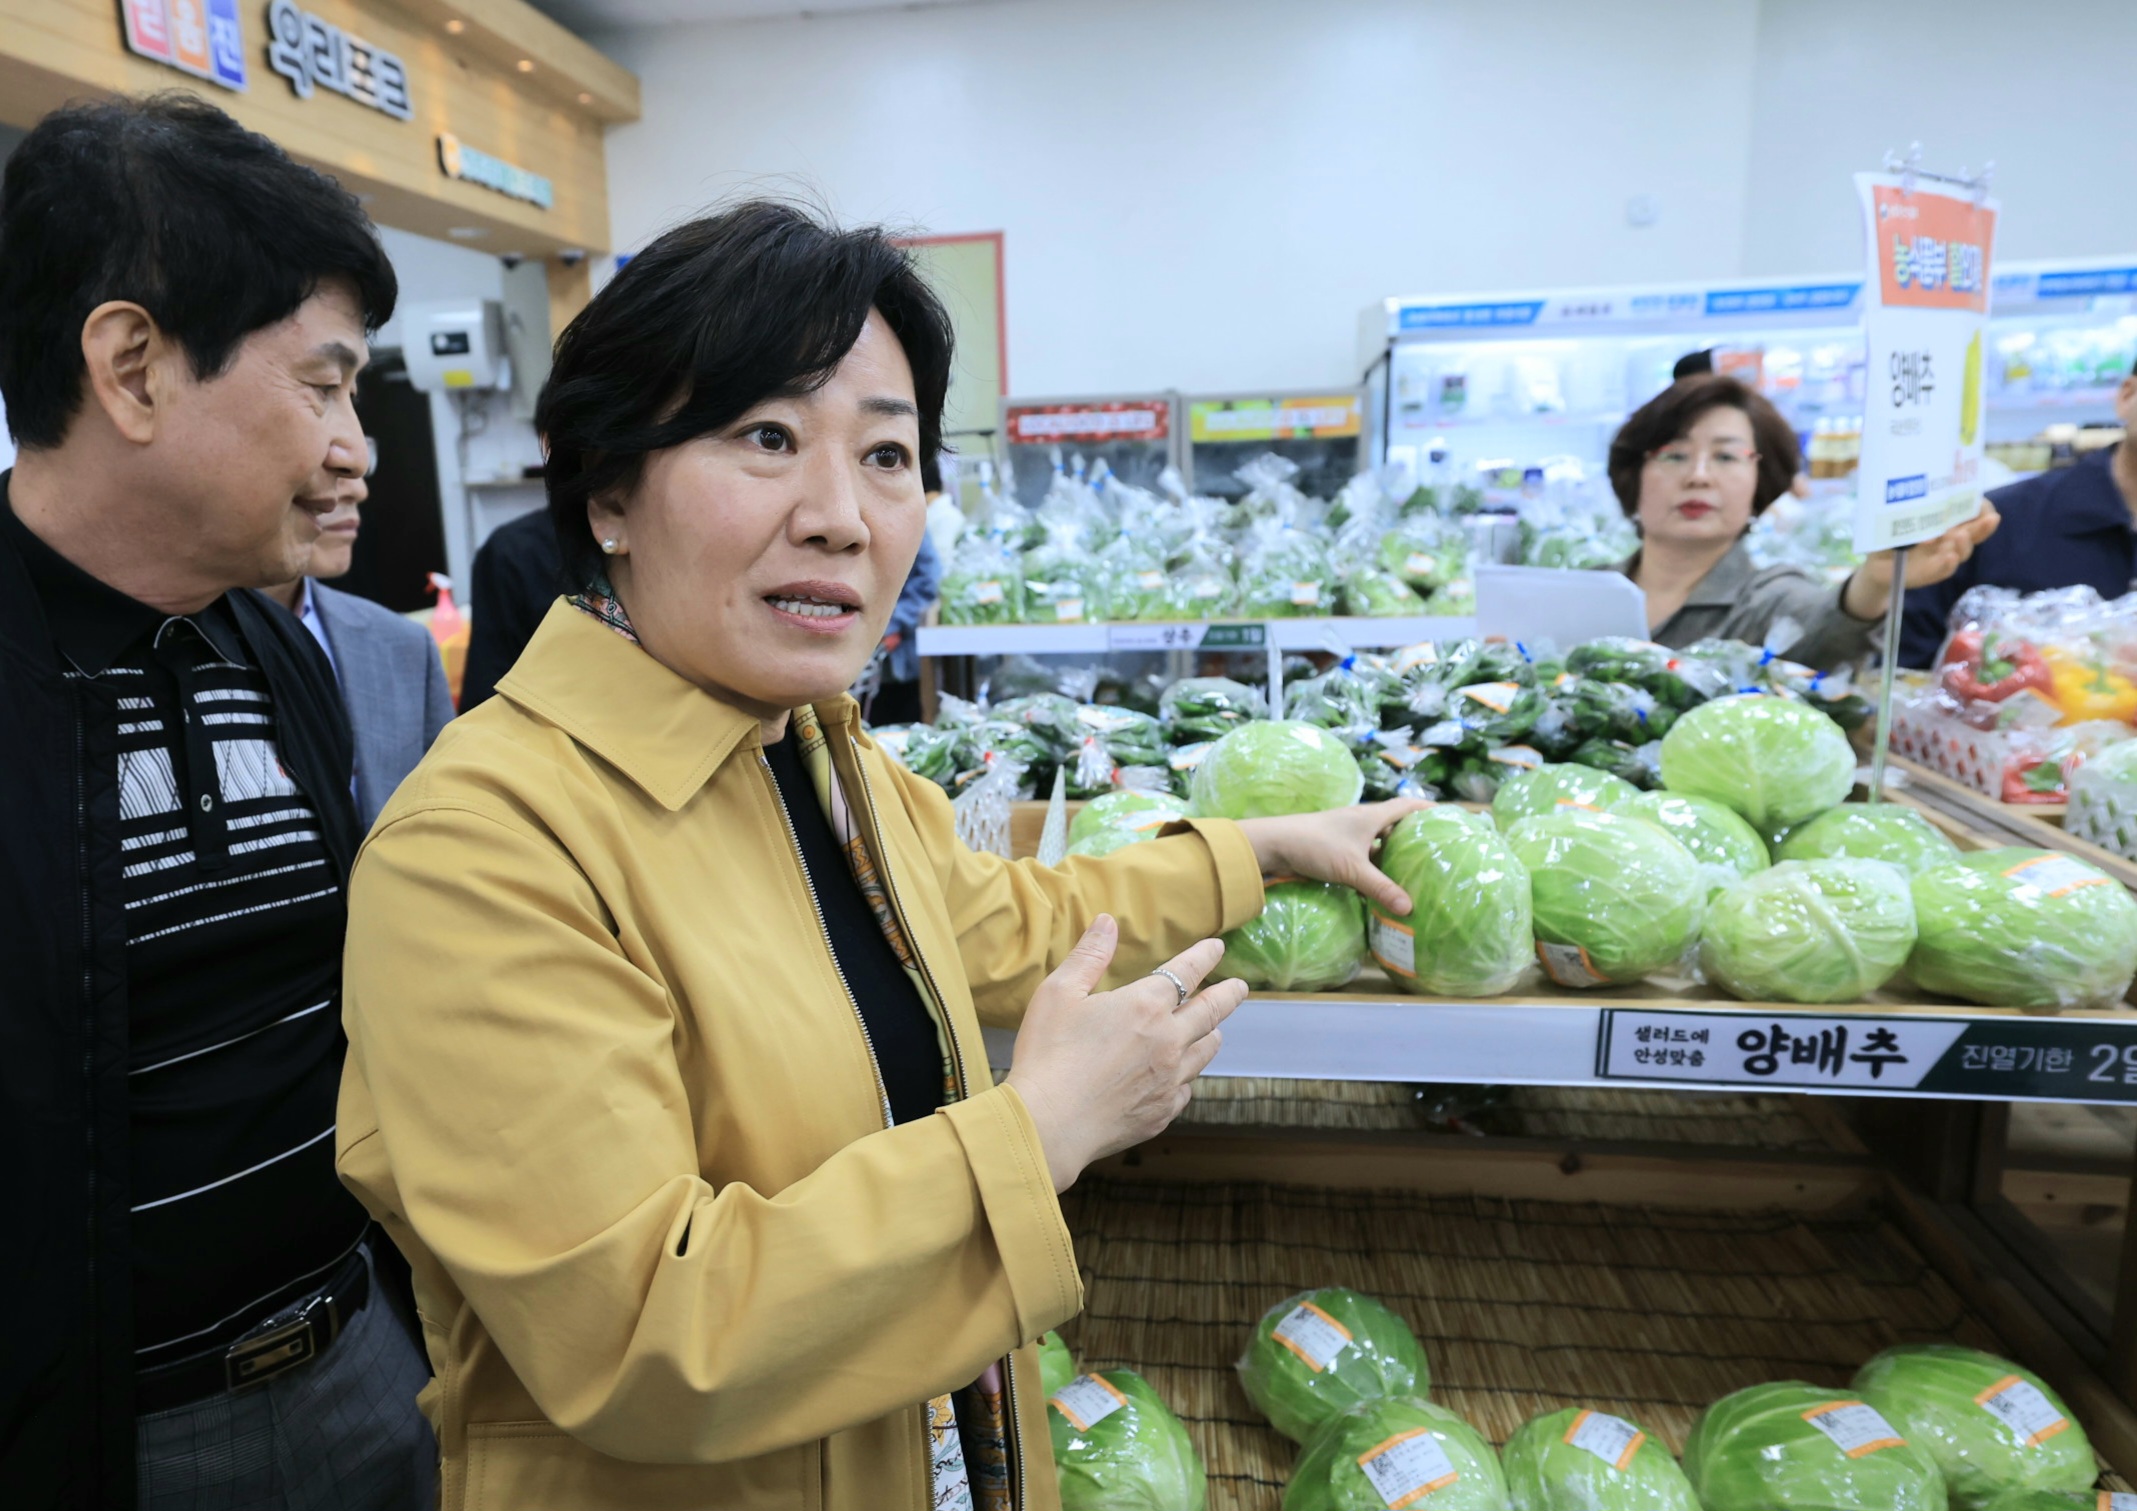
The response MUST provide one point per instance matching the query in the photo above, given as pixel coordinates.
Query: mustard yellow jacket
(608, 1093)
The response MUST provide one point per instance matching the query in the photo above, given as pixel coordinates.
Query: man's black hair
(761, 301)
(169, 203)
(1693, 364)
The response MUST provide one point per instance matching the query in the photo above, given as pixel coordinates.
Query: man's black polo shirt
(2059, 530)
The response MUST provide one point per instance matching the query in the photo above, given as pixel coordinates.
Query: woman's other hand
(1869, 591)
(1103, 1071)
(1334, 846)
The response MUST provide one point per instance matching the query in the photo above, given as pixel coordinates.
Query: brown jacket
(607, 1091)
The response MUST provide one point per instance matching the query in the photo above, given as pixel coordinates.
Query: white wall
(1206, 193)
(2045, 89)
(499, 444)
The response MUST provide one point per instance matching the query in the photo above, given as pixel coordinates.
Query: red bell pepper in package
(1985, 666)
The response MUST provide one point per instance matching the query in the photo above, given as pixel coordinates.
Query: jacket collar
(664, 733)
(1722, 586)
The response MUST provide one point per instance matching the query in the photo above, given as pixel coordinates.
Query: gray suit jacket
(393, 684)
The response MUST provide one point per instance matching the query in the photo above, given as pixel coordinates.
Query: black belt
(296, 1335)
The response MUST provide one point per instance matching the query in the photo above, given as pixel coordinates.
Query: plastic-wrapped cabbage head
(1308, 937)
(1871, 831)
(1315, 1355)
(1809, 931)
(1057, 1366)
(1549, 787)
(1791, 1444)
(1125, 806)
(2023, 928)
(1108, 838)
(1118, 1447)
(1989, 1425)
(1195, 709)
(1582, 1460)
(1470, 931)
(1615, 898)
(1718, 837)
(1263, 770)
(1775, 762)
(1402, 1451)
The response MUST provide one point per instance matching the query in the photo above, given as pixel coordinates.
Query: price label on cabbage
(1394, 945)
(1313, 1335)
(1611, 1439)
(1087, 1400)
(2117, 1500)
(1854, 1427)
(1407, 1468)
(2020, 1406)
(2066, 1059)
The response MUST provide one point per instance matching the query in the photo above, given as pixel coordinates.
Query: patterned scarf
(968, 1433)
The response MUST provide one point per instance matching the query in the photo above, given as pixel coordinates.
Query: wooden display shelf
(2036, 825)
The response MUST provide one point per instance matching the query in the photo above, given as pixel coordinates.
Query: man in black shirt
(194, 1310)
(518, 573)
(2074, 525)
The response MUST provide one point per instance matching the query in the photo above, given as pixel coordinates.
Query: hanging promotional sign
(1126, 420)
(1925, 324)
(202, 37)
(1333, 416)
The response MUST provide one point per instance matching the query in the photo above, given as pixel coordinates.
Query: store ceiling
(585, 16)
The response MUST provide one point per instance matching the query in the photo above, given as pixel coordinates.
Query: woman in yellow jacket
(664, 988)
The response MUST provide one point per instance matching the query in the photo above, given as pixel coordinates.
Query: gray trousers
(339, 1434)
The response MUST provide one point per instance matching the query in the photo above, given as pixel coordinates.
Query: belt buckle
(283, 1346)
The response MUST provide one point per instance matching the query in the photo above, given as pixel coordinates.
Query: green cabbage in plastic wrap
(1383, 1453)
(1057, 1366)
(1315, 1355)
(1989, 1425)
(1871, 831)
(1809, 931)
(1615, 898)
(1118, 1447)
(1111, 837)
(1581, 1460)
(1196, 709)
(1716, 835)
(1263, 770)
(1124, 807)
(1308, 937)
(1788, 1445)
(1775, 762)
(1545, 788)
(2023, 928)
(1470, 930)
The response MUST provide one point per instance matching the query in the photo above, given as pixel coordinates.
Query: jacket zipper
(809, 883)
(957, 1066)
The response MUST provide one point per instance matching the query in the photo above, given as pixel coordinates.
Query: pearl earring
(609, 545)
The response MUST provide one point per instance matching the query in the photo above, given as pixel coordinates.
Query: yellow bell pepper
(2089, 689)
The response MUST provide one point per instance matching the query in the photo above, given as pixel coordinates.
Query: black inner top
(901, 1030)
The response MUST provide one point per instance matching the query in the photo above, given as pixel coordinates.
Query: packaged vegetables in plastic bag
(1581, 1459)
(1315, 1355)
(1198, 709)
(984, 583)
(1284, 573)
(1809, 931)
(2023, 928)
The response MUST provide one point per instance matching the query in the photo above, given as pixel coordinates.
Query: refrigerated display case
(1137, 436)
(1504, 382)
(1319, 431)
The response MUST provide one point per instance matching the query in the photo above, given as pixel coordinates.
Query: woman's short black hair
(758, 302)
(167, 202)
(1671, 414)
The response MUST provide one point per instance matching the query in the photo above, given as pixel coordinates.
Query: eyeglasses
(1681, 459)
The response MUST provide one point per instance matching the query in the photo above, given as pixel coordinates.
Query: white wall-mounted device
(456, 344)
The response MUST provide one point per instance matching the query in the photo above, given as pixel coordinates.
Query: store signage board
(2078, 1060)
(315, 54)
(1826, 301)
(204, 38)
(1925, 325)
(1186, 637)
(458, 160)
(1539, 604)
(1052, 424)
(1221, 420)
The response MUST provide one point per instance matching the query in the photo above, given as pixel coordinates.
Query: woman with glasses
(1692, 468)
